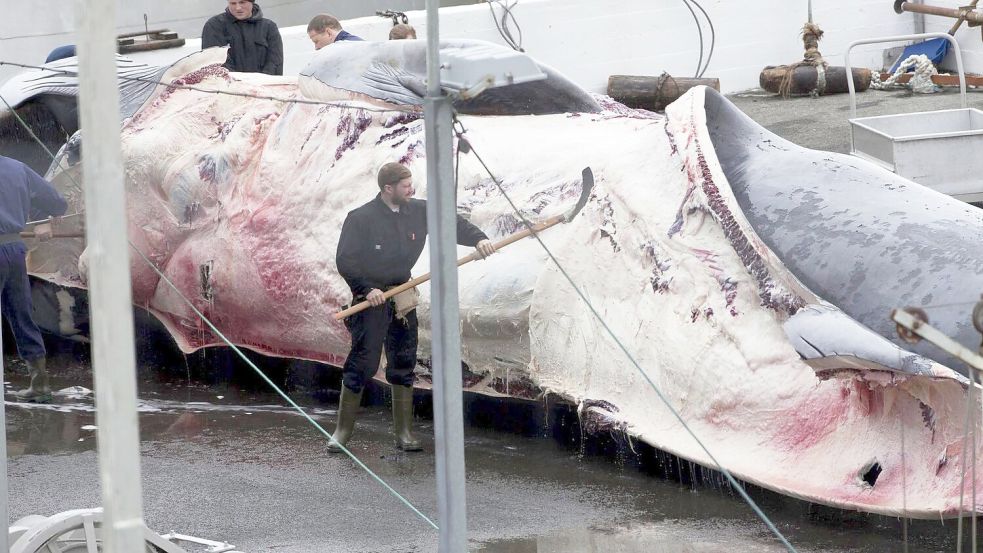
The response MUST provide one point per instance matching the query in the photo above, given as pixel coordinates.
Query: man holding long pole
(380, 242)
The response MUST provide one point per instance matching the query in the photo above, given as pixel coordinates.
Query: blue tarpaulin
(935, 49)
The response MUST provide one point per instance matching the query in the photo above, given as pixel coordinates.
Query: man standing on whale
(254, 42)
(380, 242)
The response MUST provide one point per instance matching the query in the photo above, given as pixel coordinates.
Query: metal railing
(901, 38)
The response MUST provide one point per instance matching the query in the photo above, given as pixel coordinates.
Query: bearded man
(380, 242)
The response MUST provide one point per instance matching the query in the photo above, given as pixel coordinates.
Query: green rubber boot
(347, 410)
(403, 418)
(38, 391)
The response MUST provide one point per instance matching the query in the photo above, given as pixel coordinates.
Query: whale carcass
(750, 278)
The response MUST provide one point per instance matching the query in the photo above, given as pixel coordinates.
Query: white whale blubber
(240, 202)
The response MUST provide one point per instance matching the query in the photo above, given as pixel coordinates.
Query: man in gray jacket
(254, 43)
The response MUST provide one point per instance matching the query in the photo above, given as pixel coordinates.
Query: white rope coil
(921, 81)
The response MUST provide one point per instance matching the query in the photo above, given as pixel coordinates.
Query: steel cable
(239, 352)
(713, 36)
(699, 30)
(526, 222)
(503, 25)
(631, 358)
(220, 92)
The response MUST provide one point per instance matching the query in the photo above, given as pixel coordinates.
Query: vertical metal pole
(442, 228)
(975, 446)
(919, 19)
(4, 546)
(433, 49)
(113, 358)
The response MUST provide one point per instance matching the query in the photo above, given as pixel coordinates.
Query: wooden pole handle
(413, 283)
(29, 234)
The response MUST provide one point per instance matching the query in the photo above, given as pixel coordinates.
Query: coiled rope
(921, 81)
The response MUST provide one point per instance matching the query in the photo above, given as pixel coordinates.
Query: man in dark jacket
(254, 43)
(380, 242)
(24, 195)
(325, 29)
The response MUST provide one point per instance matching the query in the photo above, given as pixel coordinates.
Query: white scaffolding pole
(113, 358)
(4, 499)
(442, 228)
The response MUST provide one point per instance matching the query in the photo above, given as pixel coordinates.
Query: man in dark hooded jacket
(254, 43)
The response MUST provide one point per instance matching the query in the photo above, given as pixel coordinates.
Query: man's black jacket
(254, 44)
(378, 247)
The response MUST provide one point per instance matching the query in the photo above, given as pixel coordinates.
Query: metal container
(938, 149)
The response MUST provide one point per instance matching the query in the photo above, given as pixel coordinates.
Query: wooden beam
(941, 80)
(653, 93)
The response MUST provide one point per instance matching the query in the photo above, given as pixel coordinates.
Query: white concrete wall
(646, 37)
(587, 40)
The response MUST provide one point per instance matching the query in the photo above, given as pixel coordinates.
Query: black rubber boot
(403, 418)
(347, 411)
(38, 391)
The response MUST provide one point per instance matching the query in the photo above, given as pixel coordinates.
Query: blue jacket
(345, 35)
(25, 196)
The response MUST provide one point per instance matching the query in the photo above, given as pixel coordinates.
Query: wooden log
(805, 79)
(653, 93)
(143, 33)
(151, 45)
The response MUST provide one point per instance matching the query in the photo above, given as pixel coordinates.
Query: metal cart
(938, 149)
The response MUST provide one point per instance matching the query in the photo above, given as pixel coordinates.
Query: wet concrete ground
(223, 459)
(231, 463)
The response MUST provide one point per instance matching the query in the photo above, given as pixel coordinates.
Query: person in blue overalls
(24, 196)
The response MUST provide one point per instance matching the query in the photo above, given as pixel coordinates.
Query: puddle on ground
(67, 424)
(670, 536)
(241, 466)
(715, 536)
